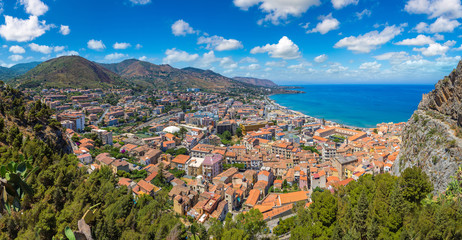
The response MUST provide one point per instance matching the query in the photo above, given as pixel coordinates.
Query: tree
(239, 132)
(38, 127)
(216, 228)
(360, 215)
(415, 184)
(75, 138)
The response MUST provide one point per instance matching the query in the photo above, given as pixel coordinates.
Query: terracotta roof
(181, 159)
(254, 195)
(293, 197)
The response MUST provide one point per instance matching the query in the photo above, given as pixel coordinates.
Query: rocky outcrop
(432, 138)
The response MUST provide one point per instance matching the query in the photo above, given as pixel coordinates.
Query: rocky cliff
(432, 138)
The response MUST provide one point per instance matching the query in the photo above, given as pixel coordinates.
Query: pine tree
(360, 215)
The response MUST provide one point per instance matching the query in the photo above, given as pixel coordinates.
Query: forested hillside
(381, 207)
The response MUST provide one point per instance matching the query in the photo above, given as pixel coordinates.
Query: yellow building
(250, 127)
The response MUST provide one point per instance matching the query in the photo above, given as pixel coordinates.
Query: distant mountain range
(16, 70)
(256, 81)
(78, 72)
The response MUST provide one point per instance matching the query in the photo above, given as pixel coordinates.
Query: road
(102, 116)
(154, 120)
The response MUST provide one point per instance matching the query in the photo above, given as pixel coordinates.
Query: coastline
(318, 120)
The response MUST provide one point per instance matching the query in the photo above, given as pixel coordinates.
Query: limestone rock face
(432, 138)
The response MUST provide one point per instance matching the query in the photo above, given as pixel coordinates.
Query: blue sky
(288, 41)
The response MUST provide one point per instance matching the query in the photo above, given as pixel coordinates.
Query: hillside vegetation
(68, 72)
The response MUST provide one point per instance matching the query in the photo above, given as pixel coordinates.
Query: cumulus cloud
(114, 56)
(122, 45)
(34, 7)
(96, 44)
(23, 30)
(420, 40)
(365, 12)
(327, 24)
(278, 10)
(207, 59)
(285, 49)
(369, 41)
(143, 58)
(248, 60)
(140, 2)
(335, 68)
(40, 48)
(441, 24)
(435, 8)
(181, 28)
(138, 46)
(228, 63)
(251, 67)
(321, 58)
(433, 49)
(64, 30)
(338, 4)
(276, 64)
(397, 57)
(370, 66)
(58, 48)
(173, 55)
(17, 49)
(219, 43)
(67, 53)
(15, 58)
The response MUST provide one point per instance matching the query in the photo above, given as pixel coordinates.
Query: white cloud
(276, 64)
(17, 49)
(251, 67)
(138, 46)
(143, 58)
(336, 68)
(370, 66)
(95, 44)
(58, 48)
(285, 49)
(248, 60)
(369, 41)
(441, 24)
(40, 48)
(67, 53)
(173, 55)
(301, 65)
(365, 12)
(228, 63)
(207, 59)
(114, 56)
(140, 2)
(397, 57)
(23, 30)
(181, 28)
(121, 45)
(435, 8)
(64, 30)
(219, 43)
(433, 49)
(338, 4)
(327, 24)
(34, 7)
(420, 40)
(15, 58)
(277, 10)
(321, 58)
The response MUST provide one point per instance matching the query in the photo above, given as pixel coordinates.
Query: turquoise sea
(356, 105)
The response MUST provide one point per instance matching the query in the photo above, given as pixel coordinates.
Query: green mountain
(7, 74)
(165, 76)
(68, 71)
(256, 81)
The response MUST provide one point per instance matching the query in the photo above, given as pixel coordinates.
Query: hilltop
(432, 138)
(256, 81)
(68, 71)
(166, 76)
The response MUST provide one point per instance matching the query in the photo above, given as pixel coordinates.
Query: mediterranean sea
(356, 105)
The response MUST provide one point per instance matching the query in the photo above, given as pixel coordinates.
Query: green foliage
(310, 148)
(240, 166)
(415, 184)
(284, 226)
(226, 137)
(177, 173)
(75, 138)
(245, 226)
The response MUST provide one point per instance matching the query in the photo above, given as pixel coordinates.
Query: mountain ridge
(432, 138)
(256, 81)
